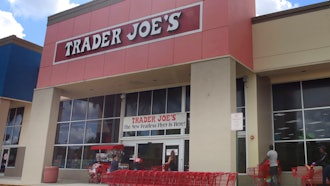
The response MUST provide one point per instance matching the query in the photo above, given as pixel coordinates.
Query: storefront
(163, 76)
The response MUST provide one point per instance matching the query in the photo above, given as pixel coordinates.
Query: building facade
(158, 76)
(19, 69)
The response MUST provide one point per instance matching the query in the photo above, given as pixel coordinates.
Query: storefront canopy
(107, 147)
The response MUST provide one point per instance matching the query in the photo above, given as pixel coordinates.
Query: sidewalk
(10, 181)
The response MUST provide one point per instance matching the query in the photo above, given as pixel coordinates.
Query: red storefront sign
(181, 21)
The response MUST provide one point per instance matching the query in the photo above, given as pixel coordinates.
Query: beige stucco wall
(292, 41)
(213, 99)
(41, 130)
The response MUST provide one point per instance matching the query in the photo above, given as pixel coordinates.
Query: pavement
(11, 181)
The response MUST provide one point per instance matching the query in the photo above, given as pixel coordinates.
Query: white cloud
(39, 9)
(270, 6)
(9, 26)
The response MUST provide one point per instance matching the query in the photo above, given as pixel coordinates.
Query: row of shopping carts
(149, 177)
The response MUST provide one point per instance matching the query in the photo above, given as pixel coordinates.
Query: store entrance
(156, 153)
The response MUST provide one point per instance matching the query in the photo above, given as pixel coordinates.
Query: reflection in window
(144, 103)
(187, 98)
(174, 100)
(74, 157)
(290, 154)
(286, 96)
(93, 131)
(288, 126)
(316, 93)
(64, 110)
(12, 157)
(317, 123)
(59, 156)
(13, 126)
(112, 106)
(131, 104)
(159, 101)
(62, 133)
(79, 109)
(89, 157)
(77, 133)
(110, 131)
(95, 107)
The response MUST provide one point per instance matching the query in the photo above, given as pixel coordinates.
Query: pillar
(42, 131)
(213, 99)
(258, 118)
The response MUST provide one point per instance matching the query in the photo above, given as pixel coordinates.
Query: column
(4, 109)
(213, 99)
(41, 130)
(258, 118)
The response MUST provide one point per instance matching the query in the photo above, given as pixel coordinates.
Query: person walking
(273, 166)
(323, 161)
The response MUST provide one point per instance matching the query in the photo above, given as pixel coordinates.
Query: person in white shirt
(273, 166)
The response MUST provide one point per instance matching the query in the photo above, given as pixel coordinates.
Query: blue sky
(27, 19)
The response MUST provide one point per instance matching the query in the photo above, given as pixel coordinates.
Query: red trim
(107, 147)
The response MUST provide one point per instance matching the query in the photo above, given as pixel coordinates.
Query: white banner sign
(155, 122)
(237, 121)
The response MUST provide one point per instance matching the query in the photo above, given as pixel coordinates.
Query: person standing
(114, 163)
(273, 166)
(172, 162)
(323, 161)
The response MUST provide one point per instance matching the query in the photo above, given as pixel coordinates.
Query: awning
(107, 147)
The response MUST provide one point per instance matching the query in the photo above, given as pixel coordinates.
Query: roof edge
(79, 10)
(291, 12)
(13, 39)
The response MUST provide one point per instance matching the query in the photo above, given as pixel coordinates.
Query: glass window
(93, 131)
(174, 100)
(241, 155)
(286, 96)
(242, 109)
(157, 132)
(110, 131)
(19, 116)
(62, 131)
(64, 110)
(77, 133)
(129, 134)
(11, 117)
(144, 103)
(79, 109)
(131, 104)
(16, 135)
(288, 126)
(187, 98)
(8, 136)
(173, 131)
(74, 157)
(240, 96)
(12, 157)
(59, 156)
(290, 154)
(112, 106)
(95, 107)
(89, 157)
(317, 123)
(159, 101)
(313, 151)
(143, 133)
(316, 93)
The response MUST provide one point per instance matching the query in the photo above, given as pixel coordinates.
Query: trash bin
(50, 174)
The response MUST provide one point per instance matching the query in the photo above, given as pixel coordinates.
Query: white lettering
(132, 36)
(76, 45)
(68, 47)
(86, 45)
(174, 23)
(116, 36)
(144, 29)
(155, 26)
(96, 41)
(105, 39)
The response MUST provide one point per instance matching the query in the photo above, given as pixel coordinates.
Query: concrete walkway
(11, 181)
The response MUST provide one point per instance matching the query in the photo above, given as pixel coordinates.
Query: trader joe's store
(156, 76)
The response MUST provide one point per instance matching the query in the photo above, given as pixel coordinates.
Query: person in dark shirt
(114, 163)
(172, 162)
(323, 161)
